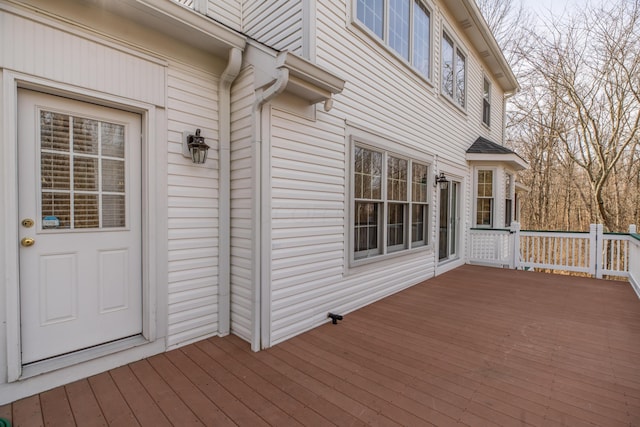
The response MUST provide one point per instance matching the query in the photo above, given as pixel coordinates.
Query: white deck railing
(595, 252)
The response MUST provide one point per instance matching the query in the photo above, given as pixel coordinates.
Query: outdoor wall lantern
(442, 180)
(194, 147)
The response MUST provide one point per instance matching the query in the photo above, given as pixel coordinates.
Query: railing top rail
(554, 231)
(489, 229)
(635, 236)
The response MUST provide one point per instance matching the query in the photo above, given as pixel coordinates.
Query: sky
(556, 7)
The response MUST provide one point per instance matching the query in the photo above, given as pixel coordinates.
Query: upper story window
(390, 200)
(404, 25)
(454, 70)
(486, 102)
(484, 198)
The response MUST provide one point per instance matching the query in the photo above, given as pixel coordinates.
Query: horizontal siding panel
(295, 265)
(276, 23)
(301, 242)
(190, 285)
(323, 187)
(30, 47)
(196, 273)
(228, 12)
(300, 163)
(202, 243)
(197, 302)
(308, 194)
(182, 333)
(306, 232)
(182, 301)
(303, 175)
(300, 221)
(191, 265)
(282, 255)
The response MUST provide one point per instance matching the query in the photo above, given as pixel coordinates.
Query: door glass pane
(113, 140)
(54, 171)
(113, 175)
(85, 211)
(85, 174)
(54, 131)
(56, 210)
(113, 211)
(443, 237)
(454, 218)
(85, 135)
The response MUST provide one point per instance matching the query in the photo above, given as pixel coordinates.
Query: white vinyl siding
(228, 12)
(309, 235)
(243, 260)
(193, 208)
(59, 55)
(276, 23)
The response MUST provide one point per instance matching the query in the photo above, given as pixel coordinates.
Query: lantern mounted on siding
(194, 147)
(442, 180)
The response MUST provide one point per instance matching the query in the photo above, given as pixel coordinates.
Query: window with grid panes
(400, 206)
(484, 199)
(82, 170)
(404, 26)
(454, 71)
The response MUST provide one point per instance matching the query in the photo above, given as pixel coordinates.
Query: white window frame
(486, 101)
(383, 250)
(477, 197)
(509, 189)
(456, 50)
(385, 39)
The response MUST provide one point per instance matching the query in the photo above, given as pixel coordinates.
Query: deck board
(475, 346)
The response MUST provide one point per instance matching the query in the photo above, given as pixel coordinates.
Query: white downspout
(261, 303)
(224, 211)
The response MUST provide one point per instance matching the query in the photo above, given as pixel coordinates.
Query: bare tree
(576, 119)
(590, 64)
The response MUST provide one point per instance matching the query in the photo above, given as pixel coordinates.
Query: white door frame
(459, 175)
(154, 216)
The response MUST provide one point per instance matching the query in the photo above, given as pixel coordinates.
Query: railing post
(592, 249)
(514, 262)
(599, 255)
(632, 229)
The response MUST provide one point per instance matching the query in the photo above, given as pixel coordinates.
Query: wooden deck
(477, 346)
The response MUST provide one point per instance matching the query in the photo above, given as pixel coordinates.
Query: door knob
(27, 241)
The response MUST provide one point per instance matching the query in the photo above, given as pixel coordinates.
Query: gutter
(224, 137)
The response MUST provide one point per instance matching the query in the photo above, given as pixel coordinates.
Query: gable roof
(484, 150)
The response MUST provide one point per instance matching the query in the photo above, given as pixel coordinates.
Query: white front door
(80, 212)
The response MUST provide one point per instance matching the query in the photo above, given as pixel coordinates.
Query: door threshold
(36, 368)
